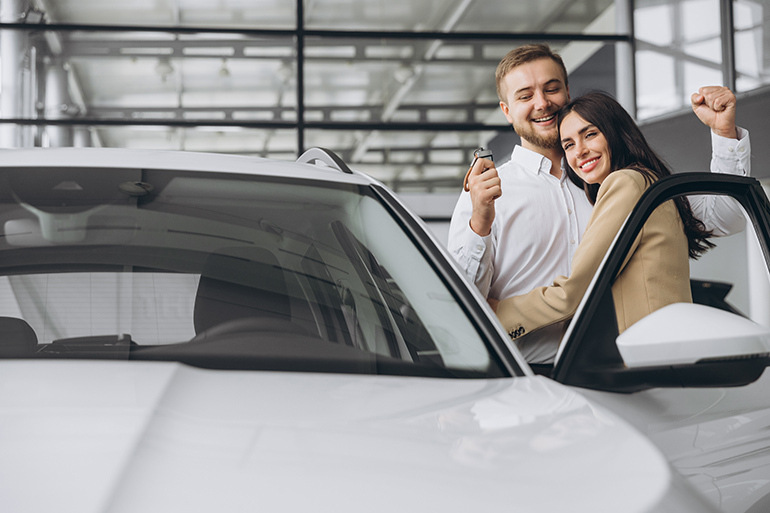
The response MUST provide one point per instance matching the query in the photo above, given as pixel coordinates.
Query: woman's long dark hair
(630, 150)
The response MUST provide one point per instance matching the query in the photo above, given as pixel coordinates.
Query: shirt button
(569, 211)
(731, 149)
(572, 241)
(741, 149)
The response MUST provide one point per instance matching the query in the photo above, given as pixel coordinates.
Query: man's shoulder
(523, 163)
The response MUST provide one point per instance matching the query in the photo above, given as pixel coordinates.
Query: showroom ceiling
(401, 89)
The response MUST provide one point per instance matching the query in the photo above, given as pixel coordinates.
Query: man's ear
(504, 108)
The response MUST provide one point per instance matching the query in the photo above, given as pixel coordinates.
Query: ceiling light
(403, 73)
(285, 72)
(224, 71)
(33, 15)
(164, 68)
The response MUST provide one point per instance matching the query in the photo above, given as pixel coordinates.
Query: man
(517, 228)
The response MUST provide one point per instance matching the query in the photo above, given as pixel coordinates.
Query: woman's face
(585, 148)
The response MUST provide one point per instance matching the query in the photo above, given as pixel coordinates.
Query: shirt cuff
(478, 244)
(731, 149)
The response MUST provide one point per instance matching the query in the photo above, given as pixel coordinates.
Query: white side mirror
(685, 333)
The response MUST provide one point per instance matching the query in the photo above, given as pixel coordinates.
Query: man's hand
(484, 186)
(715, 107)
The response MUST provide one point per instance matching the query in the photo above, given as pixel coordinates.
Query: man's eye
(524, 98)
(553, 91)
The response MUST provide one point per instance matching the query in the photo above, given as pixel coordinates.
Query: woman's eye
(591, 134)
(567, 146)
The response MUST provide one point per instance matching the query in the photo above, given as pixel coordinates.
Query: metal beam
(323, 34)
(625, 57)
(728, 43)
(12, 49)
(277, 112)
(310, 125)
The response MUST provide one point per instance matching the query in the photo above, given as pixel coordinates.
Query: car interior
(194, 267)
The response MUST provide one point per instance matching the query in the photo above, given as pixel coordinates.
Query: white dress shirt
(539, 220)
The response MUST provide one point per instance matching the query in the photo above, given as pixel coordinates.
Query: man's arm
(715, 106)
(471, 242)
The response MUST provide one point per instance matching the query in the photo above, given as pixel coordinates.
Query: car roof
(175, 160)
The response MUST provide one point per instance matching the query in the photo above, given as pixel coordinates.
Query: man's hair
(523, 55)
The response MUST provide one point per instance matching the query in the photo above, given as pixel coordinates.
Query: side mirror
(687, 334)
(685, 345)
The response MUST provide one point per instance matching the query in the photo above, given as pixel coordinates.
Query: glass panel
(394, 74)
(676, 52)
(272, 143)
(407, 160)
(68, 305)
(432, 15)
(752, 43)
(158, 75)
(180, 13)
(734, 275)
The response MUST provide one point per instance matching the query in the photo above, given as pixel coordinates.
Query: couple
(531, 240)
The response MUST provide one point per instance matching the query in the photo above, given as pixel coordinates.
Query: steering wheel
(249, 325)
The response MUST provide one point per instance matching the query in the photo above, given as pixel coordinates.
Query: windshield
(221, 271)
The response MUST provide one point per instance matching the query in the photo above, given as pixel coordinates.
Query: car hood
(86, 436)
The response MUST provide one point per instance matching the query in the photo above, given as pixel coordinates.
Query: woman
(607, 151)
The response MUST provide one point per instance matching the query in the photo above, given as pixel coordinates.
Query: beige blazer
(656, 271)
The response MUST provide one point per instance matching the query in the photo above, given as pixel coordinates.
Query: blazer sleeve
(544, 306)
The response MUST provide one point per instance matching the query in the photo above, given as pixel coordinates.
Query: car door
(692, 377)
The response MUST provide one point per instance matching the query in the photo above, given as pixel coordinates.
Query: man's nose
(542, 101)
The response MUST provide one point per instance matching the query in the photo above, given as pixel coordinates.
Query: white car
(197, 332)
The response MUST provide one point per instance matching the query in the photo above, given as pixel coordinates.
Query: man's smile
(545, 119)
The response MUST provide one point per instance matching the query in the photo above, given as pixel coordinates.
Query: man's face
(534, 92)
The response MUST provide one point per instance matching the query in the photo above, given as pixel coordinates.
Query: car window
(224, 271)
(730, 277)
(734, 275)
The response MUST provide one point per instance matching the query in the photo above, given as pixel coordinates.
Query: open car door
(691, 376)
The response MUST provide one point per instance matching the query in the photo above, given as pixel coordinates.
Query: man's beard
(546, 142)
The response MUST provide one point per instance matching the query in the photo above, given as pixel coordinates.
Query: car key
(479, 153)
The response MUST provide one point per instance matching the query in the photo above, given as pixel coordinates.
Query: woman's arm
(547, 305)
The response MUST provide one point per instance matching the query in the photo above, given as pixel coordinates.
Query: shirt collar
(533, 162)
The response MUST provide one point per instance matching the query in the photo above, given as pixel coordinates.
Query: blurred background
(401, 89)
